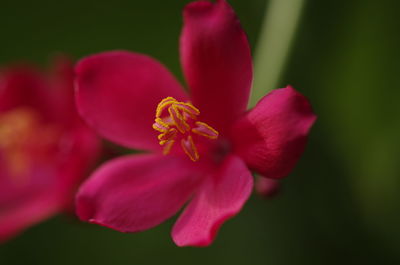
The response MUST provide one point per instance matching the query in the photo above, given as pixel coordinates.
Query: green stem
(277, 33)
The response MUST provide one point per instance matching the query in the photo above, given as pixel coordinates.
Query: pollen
(177, 121)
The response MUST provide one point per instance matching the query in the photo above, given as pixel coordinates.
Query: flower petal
(61, 83)
(27, 199)
(48, 186)
(216, 61)
(25, 86)
(221, 197)
(135, 193)
(80, 149)
(118, 93)
(17, 218)
(273, 135)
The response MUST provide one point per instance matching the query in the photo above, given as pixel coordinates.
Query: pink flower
(45, 149)
(201, 145)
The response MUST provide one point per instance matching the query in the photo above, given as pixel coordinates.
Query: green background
(341, 203)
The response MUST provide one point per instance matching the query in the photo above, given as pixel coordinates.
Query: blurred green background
(341, 203)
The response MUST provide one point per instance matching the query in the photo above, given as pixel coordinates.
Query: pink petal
(216, 61)
(48, 187)
(33, 210)
(80, 149)
(61, 82)
(24, 86)
(50, 93)
(54, 169)
(272, 136)
(118, 93)
(26, 200)
(220, 198)
(135, 193)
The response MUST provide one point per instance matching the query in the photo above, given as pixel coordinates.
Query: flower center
(22, 140)
(178, 120)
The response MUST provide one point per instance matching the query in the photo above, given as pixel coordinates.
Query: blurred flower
(211, 142)
(45, 149)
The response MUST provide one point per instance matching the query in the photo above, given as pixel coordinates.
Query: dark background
(341, 203)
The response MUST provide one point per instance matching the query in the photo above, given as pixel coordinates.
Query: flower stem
(277, 33)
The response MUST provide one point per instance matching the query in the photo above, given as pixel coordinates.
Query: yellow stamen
(190, 149)
(177, 118)
(167, 146)
(205, 130)
(166, 102)
(173, 116)
(160, 125)
(15, 129)
(20, 134)
(170, 134)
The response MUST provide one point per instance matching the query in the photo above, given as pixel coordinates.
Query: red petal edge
(273, 135)
(220, 198)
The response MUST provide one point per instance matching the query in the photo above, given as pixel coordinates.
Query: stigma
(177, 121)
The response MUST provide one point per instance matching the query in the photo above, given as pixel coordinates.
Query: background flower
(45, 149)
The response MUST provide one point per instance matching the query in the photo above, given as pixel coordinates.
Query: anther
(175, 119)
(189, 148)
